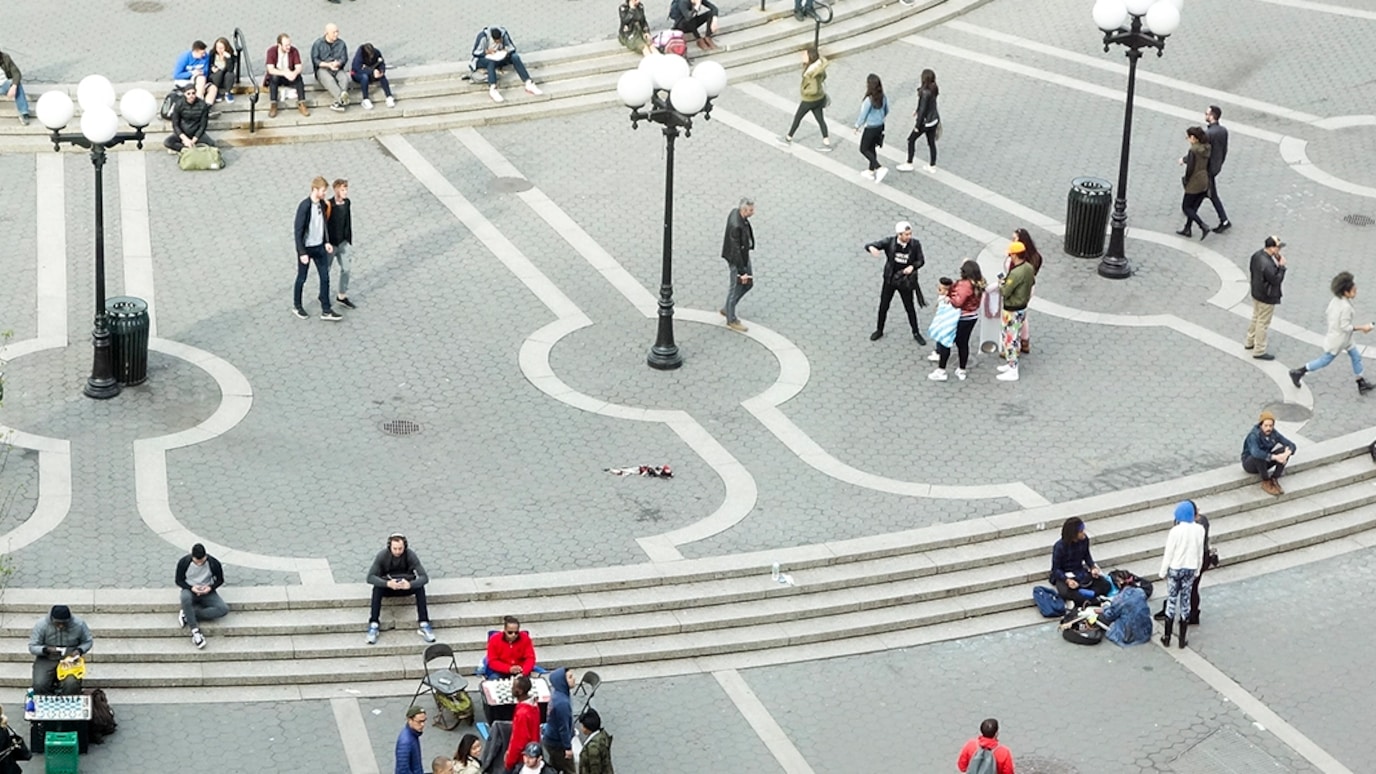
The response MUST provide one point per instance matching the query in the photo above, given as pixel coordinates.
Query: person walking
(1339, 337)
(986, 746)
(874, 108)
(1218, 153)
(927, 122)
(1265, 452)
(408, 756)
(1195, 180)
(813, 95)
(902, 256)
(966, 296)
(1267, 273)
(1181, 561)
(1016, 287)
(1034, 257)
(340, 226)
(313, 247)
(736, 245)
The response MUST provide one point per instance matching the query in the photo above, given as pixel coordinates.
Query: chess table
(59, 713)
(498, 703)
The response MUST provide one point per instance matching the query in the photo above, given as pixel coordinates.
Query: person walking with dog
(1183, 557)
(1338, 340)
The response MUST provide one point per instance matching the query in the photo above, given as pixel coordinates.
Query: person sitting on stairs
(1265, 452)
(493, 50)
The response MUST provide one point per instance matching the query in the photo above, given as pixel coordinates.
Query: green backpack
(982, 763)
(199, 158)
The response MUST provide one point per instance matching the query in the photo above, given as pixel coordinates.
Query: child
(943, 327)
(340, 226)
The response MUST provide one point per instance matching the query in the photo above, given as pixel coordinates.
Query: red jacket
(525, 728)
(1003, 758)
(502, 655)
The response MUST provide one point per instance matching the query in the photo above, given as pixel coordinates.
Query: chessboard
(497, 692)
(60, 708)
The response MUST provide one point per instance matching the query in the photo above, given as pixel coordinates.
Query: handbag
(15, 748)
(200, 157)
(937, 132)
(904, 281)
(942, 329)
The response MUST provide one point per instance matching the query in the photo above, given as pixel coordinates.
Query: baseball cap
(414, 711)
(1016, 247)
(1274, 241)
(532, 749)
(901, 226)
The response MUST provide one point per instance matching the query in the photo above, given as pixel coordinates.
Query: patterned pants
(1012, 329)
(1179, 581)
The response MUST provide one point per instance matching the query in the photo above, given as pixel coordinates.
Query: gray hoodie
(75, 634)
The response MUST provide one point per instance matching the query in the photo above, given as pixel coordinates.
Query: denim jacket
(1130, 617)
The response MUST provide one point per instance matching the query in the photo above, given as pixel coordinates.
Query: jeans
(45, 679)
(375, 610)
(21, 100)
(321, 259)
(276, 81)
(917, 132)
(814, 107)
(1213, 197)
(205, 607)
(336, 82)
(1189, 204)
(1179, 580)
(737, 290)
(513, 59)
(341, 254)
(870, 139)
(964, 327)
(1100, 586)
(1012, 329)
(363, 79)
(886, 298)
(1328, 357)
(802, 6)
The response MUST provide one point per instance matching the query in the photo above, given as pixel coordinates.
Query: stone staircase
(850, 596)
(435, 97)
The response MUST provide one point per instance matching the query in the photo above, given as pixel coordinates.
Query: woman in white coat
(1339, 337)
(1183, 557)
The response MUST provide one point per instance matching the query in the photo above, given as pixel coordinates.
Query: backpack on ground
(199, 158)
(452, 710)
(169, 103)
(1372, 450)
(102, 717)
(1077, 628)
(1048, 602)
(670, 42)
(982, 762)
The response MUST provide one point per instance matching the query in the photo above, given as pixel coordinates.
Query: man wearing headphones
(397, 572)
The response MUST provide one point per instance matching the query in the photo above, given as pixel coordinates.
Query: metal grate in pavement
(400, 427)
(144, 6)
(1225, 752)
(1356, 219)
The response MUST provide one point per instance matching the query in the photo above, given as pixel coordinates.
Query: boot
(1185, 232)
(1166, 638)
(1184, 626)
(1161, 614)
(1297, 374)
(1363, 386)
(1193, 620)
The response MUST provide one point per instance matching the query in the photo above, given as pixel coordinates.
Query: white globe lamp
(55, 109)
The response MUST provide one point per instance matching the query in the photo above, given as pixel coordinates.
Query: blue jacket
(870, 116)
(189, 66)
(408, 752)
(559, 721)
(1130, 617)
(1259, 446)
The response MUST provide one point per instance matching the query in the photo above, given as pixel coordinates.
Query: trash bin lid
(125, 306)
(1091, 185)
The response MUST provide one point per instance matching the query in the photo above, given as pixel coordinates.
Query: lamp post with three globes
(99, 131)
(663, 91)
(1134, 24)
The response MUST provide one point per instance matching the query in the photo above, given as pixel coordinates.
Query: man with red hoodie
(510, 652)
(525, 725)
(975, 752)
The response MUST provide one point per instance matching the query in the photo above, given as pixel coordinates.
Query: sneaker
(343, 97)
(372, 634)
(337, 106)
(367, 104)
(181, 619)
(425, 632)
(737, 326)
(331, 315)
(229, 98)
(345, 301)
(300, 313)
(1011, 375)
(1004, 368)
(960, 374)
(531, 88)
(880, 173)
(824, 148)
(876, 336)
(197, 638)
(939, 375)
(391, 102)
(930, 169)
(23, 119)
(494, 94)
(868, 174)
(904, 167)
(1224, 226)
(934, 358)
(786, 141)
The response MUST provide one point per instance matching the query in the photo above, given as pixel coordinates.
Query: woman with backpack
(814, 96)
(874, 108)
(927, 122)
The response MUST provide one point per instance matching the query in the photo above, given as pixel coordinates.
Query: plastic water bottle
(28, 701)
(776, 571)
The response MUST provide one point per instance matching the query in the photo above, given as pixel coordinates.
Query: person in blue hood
(557, 737)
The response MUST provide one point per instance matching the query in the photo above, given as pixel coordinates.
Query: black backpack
(169, 103)
(102, 717)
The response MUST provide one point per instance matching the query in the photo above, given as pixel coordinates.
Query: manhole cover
(1037, 764)
(1358, 220)
(400, 427)
(144, 6)
(510, 185)
(1290, 412)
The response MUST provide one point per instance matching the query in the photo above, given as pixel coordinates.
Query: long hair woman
(1339, 336)
(1195, 180)
(467, 759)
(966, 296)
(813, 95)
(874, 108)
(926, 120)
(1034, 257)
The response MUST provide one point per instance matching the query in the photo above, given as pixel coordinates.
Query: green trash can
(1086, 216)
(128, 320)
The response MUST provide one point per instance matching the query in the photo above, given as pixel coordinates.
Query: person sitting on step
(493, 50)
(1073, 571)
(198, 576)
(57, 643)
(397, 572)
(189, 120)
(696, 17)
(1265, 453)
(1129, 617)
(284, 69)
(510, 652)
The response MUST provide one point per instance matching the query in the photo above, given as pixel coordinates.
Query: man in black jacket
(902, 258)
(397, 572)
(189, 119)
(313, 246)
(198, 576)
(1218, 153)
(1268, 272)
(736, 245)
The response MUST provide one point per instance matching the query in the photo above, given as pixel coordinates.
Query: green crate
(60, 752)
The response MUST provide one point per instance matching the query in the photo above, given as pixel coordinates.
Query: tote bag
(943, 327)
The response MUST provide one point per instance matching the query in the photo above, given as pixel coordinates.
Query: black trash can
(128, 320)
(1086, 216)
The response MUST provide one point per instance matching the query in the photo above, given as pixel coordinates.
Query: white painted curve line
(1337, 10)
(150, 468)
(766, 728)
(136, 233)
(54, 488)
(1203, 94)
(1293, 151)
(51, 237)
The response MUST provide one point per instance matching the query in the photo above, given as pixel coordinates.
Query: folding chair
(588, 685)
(445, 681)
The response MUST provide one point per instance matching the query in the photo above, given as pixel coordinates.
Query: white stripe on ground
(1338, 10)
(135, 232)
(353, 734)
(755, 713)
(1259, 712)
(52, 249)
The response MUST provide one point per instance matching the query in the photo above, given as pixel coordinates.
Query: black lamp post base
(664, 358)
(1114, 268)
(101, 389)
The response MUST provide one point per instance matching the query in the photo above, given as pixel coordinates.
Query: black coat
(738, 241)
(894, 261)
(1266, 278)
(1218, 147)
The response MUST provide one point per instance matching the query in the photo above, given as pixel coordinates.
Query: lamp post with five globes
(1134, 24)
(663, 91)
(99, 131)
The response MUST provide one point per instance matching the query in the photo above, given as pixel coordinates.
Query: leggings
(963, 330)
(1189, 205)
(870, 140)
(815, 108)
(917, 132)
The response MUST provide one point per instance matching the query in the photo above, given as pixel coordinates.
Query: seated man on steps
(510, 652)
(493, 49)
(284, 69)
(397, 572)
(198, 576)
(1265, 452)
(192, 69)
(330, 58)
(692, 16)
(190, 117)
(58, 639)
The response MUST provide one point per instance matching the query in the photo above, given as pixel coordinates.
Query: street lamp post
(1135, 25)
(99, 126)
(663, 91)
